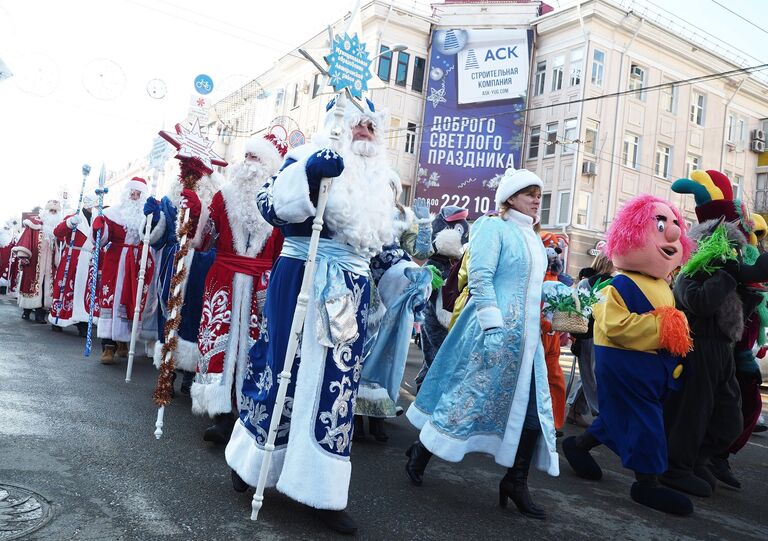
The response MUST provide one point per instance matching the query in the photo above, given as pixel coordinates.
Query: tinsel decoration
(164, 390)
(711, 253)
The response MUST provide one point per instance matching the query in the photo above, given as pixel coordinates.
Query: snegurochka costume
(639, 341)
(311, 461)
(487, 389)
(401, 291)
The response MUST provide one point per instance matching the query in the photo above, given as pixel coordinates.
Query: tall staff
(197, 158)
(100, 191)
(140, 288)
(63, 285)
(297, 325)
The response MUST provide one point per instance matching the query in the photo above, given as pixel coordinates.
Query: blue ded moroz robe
(311, 462)
(474, 400)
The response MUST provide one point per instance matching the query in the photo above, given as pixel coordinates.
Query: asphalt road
(74, 432)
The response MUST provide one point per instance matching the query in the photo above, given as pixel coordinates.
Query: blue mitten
(420, 208)
(493, 339)
(324, 164)
(152, 206)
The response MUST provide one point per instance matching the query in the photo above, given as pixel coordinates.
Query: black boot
(82, 329)
(721, 469)
(40, 315)
(338, 521)
(221, 429)
(418, 458)
(238, 484)
(576, 450)
(358, 430)
(514, 485)
(646, 491)
(25, 314)
(56, 328)
(376, 428)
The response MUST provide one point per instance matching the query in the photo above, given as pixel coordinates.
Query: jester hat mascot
(723, 295)
(640, 339)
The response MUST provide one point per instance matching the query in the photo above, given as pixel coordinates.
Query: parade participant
(232, 303)
(701, 420)
(38, 254)
(71, 306)
(550, 338)
(639, 338)
(487, 390)
(7, 242)
(401, 290)
(186, 354)
(122, 229)
(450, 232)
(311, 461)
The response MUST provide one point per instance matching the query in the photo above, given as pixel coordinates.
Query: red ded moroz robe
(35, 288)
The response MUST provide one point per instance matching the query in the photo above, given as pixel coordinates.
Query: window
(598, 67)
(740, 130)
(551, 142)
(394, 132)
(401, 73)
(669, 98)
(637, 81)
(736, 184)
(533, 145)
(691, 164)
(590, 136)
(577, 58)
(295, 95)
(317, 81)
(541, 74)
(557, 73)
(546, 203)
(697, 108)
(385, 63)
(410, 138)
(731, 124)
(419, 65)
(563, 207)
(582, 209)
(569, 136)
(662, 161)
(761, 193)
(630, 150)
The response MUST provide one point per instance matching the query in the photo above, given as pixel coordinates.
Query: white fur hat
(53, 204)
(513, 181)
(89, 201)
(138, 184)
(266, 150)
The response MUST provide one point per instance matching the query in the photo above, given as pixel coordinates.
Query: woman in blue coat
(487, 390)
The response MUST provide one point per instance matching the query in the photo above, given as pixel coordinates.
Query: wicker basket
(571, 323)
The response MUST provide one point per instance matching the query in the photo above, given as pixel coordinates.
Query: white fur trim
(30, 224)
(513, 181)
(202, 225)
(245, 457)
(311, 475)
(209, 399)
(489, 317)
(265, 150)
(159, 229)
(185, 357)
(448, 243)
(20, 251)
(290, 192)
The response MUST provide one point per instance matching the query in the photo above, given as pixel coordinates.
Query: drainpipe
(725, 119)
(611, 183)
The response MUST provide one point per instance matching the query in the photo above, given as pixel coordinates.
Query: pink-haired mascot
(640, 339)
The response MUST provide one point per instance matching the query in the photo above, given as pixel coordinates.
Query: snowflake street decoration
(349, 65)
(433, 180)
(190, 143)
(492, 183)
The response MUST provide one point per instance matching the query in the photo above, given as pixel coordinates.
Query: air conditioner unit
(589, 168)
(636, 71)
(757, 146)
(757, 135)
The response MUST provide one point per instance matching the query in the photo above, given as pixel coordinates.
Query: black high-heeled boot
(418, 458)
(514, 485)
(376, 428)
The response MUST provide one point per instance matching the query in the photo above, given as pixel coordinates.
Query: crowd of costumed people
(666, 325)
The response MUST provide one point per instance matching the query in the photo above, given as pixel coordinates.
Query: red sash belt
(243, 264)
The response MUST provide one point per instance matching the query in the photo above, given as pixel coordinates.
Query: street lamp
(396, 48)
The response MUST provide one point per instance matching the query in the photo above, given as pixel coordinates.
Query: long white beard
(50, 221)
(6, 236)
(247, 178)
(132, 219)
(360, 202)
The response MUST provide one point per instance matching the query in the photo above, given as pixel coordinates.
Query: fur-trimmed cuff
(489, 318)
(158, 231)
(290, 193)
(202, 225)
(20, 251)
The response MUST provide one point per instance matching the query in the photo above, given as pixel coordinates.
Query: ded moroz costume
(311, 461)
(38, 254)
(639, 339)
(232, 302)
(72, 301)
(7, 242)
